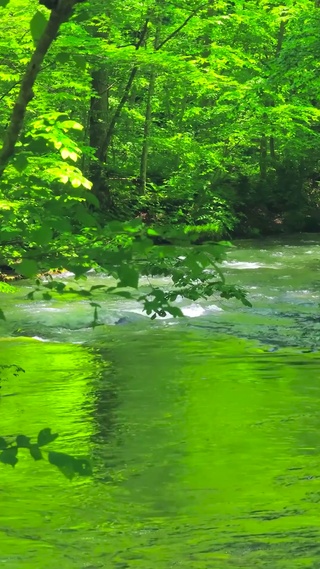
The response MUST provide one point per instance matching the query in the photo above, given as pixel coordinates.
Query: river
(203, 432)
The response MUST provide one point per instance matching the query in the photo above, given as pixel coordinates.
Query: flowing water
(204, 432)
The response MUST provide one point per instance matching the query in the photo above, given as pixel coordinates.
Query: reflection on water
(206, 452)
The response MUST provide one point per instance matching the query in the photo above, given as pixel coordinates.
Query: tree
(53, 210)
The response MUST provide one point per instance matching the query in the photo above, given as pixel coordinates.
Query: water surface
(204, 433)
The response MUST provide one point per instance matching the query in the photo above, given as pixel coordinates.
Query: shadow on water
(206, 453)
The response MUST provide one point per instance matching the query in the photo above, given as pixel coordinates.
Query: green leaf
(42, 236)
(133, 226)
(71, 124)
(37, 26)
(80, 61)
(5, 287)
(2, 316)
(9, 456)
(39, 146)
(123, 293)
(85, 218)
(174, 311)
(46, 296)
(65, 153)
(92, 199)
(3, 443)
(82, 16)
(35, 452)
(23, 441)
(27, 268)
(128, 277)
(4, 3)
(45, 437)
(21, 162)
(62, 57)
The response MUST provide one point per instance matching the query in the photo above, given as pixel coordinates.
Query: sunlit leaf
(64, 153)
(6, 288)
(75, 182)
(71, 124)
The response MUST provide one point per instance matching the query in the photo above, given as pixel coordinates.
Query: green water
(204, 433)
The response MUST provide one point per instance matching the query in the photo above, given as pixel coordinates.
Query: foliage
(222, 103)
(57, 215)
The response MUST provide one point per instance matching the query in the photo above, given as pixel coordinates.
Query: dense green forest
(202, 118)
(126, 128)
(130, 132)
(190, 114)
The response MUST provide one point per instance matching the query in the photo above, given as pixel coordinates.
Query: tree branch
(106, 142)
(177, 30)
(59, 15)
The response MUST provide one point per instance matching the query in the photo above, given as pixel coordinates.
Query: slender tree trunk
(281, 34)
(263, 157)
(148, 117)
(57, 17)
(99, 109)
(146, 134)
(102, 125)
(272, 148)
(105, 143)
(98, 119)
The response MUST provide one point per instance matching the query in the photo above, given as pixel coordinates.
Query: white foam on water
(214, 308)
(48, 309)
(193, 310)
(40, 339)
(243, 265)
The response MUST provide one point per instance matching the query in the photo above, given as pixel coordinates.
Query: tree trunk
(98, 119)
(57, 17)
(105, 143)
(263, 157)
(146, 134)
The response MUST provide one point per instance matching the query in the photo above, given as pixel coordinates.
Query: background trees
(203, 116)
